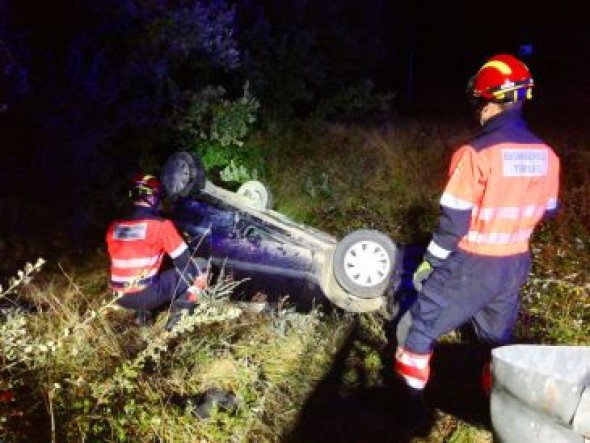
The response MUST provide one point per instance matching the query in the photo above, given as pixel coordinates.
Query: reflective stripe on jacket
(500, 186)
(137, 248)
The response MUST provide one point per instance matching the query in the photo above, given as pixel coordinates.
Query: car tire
(256, 194)
(183, 175)
(364, 262)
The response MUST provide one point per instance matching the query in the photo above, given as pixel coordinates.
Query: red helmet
(503, 78)
(145, 185)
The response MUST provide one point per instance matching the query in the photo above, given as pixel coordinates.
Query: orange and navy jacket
(501, 185)
(137, 246)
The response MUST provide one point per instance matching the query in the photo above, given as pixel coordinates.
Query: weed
(469, 434)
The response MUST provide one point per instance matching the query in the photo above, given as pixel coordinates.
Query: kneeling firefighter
(137, 245)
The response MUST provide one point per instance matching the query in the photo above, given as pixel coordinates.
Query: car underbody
(273, 256)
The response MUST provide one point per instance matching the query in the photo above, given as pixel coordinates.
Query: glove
(421, 274)
(196, 289)
(201, 281)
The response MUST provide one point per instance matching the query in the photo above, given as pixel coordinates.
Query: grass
(79, 370)
(348, 176)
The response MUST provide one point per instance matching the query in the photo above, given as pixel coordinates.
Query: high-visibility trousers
(483, 290)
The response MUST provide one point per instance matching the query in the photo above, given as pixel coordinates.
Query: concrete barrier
(541, 394)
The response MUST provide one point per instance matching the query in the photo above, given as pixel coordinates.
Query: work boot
(486, 379)
(143, 317)
(417, 415)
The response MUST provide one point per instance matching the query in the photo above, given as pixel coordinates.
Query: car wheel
(182, 175)
(364, 263)
(256, 194)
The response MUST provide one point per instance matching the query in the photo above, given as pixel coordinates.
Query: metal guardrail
(541, 394)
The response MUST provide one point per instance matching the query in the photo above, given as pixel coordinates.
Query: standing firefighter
(137, 246)
(501, 185)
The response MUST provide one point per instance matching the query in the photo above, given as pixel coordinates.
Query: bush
(215, 128)
(355, 102)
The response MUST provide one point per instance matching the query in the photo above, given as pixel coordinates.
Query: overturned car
(271, 254)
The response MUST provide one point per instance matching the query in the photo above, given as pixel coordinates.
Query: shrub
(354, 101)
(215, 128)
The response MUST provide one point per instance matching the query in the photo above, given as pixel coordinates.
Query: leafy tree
(107, 82)
(299, 53)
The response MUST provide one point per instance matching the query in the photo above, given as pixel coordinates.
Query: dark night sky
(453, 38)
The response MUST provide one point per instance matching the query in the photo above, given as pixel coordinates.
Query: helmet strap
(152, 201)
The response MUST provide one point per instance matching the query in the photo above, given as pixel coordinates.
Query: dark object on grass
(203, 405)
(216, 399)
